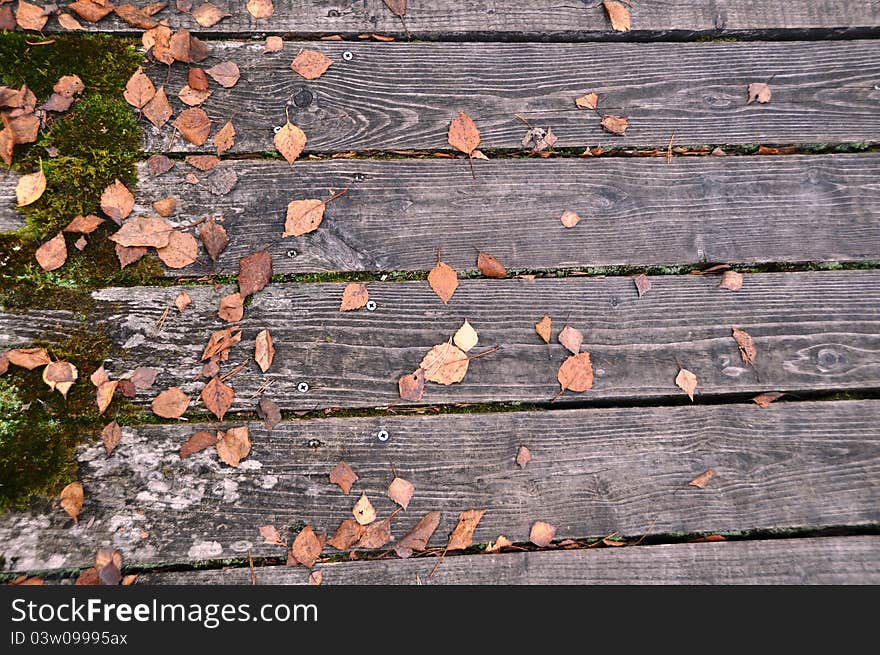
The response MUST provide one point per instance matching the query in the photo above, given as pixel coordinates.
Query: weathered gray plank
(401, 96)
(593, 472)
(837, 560)
(635, 211)
(10, 218)
(537, 19)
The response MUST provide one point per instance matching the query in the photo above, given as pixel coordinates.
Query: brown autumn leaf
(197, 79)
(343, 476)
(220, 342)
(23, 580)
(523, 457)
(375, 535)
(143, 377)
(687, 382)
(199, 441)
(615, 124)
(618, 14)
(542, 533)
(30, 187)
(269, 412)
(104, 394)
(158, 109)
(542, 327)
(354, 296)
(463, 134)
(7, 141)
(208, 15)
(171, 403)
(224, 138)
(489, 266)
(569, 218)
(498, 544)
(397, 7)
(643, 284)
(88, 577)
(29, 358)
(144, 231)
(182, 301)
(165, 206)
(126, 389)
(158, 164)
(271, 536)
(260, 8)
(463, 534)
(264, 351)
(181, 250)
(273, 44)
(731, 280)
(412, 385)
(233, 445)
(401, 491)
(111, 435)
(194, 125)
(231, 307)
(443, 280)
(254, 272)
(763, 400)
(576, 373)
(310, 64)
(135, 17)
(702, 479)
(747, 349)
(80, 243)
(24, 128)
(117, 202)
(588, 101)
(72, 500)
(4, 363)
(203, 162)
(571, 338)
(303, 216)
(444, 364)
(759, 91)
(214, 236)
(60, 376)
(347, 534)
(129, 254)
(30, 17)
(186, 48)
(222, 181)
(306, 548)
(139, 89)
(218, 397)
(193, 97)
(290, 141)
(89, 10)
(363, 511)
(84, 224)
(418, 537)
(226, 74)
(52, 254)
(465, 337)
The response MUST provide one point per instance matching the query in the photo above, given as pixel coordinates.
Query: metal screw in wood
(347, 55)
(302, 387)
(371, 305)
(383, 435)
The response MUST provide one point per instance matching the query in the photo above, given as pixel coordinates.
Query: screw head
(276, 129)
(302, 387)
(291, 253)
(371, 305)
(348, 55)
(382, 435)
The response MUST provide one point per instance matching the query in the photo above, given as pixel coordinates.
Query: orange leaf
(687, 382)
(443, 280)
(52, 254)
(463, 534)
(310, 64)
(463, 134)
(445, 364)
(542, 533)
(233, 445)
(218, 397)
(354, 296)
(576, 373)
(171, 403)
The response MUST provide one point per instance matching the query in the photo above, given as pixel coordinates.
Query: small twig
(493, 349)
(253, 573)
(437, 565)
(393, 470)
(161, 322)
(471, 161)
(336, 195)
(669, 150)
(194, 224)
(234, 371)
(405, 30)
(531, 127)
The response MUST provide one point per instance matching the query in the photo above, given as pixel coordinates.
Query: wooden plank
(836, 560)
(635, 212)
(393, 96)
(538, 19)
(593, 472)
(10, 218)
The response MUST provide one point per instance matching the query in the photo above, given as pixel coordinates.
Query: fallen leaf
(401, 491)
(186, 48)
(29, 358)
(542, 533)
(290, 141)
(523, 457)
(218, 397)
(72, 500)
(643, 284)
(260, 8)
(181, 250)
(759, 91)
(418, 537)
(222, 181)
(194, 125)
(273, 43)
(542, 327)
(220, 342)
(303, 216)
(4, 363)
(466, 337)
(619, 15)
(397, 7)
(199, 441)
(489, 266)
(354, 296)
(463, 534)
(171, 403)
(363, 511)
(763, 400)
(208, 15)
(571, 338)
(687, 382)
(569, 218)
(165, 206)
(214, 237)
(233, 445)
(52, 254)
(89, 10)
(271, 536)
(269, 412)
(231, 308)
(702, 479)
(60, 376)
(24, 580)
(81, 243)
(158, 164)
(197, 79)
(226, 74)
(463, 134)
(126, 389)
(111, 435)
(203, 162)
(310, 64)
(444, 364)
(306, 548)
(158, 109)
(587, 101)
(343, 476)
(499, 543)
(376, 535)
(747, 349)
(135, 17)
(615, 124)
(104, 394)
(316, 577)
(88, 577)
(193, 97)
(144, 231)
(264, 351)
(731, 280)
(347, 534)
(576, 373)
(443, 280)
(143, 377)
(139, 89)
(84, 224)
(224, 138)
(117, 202)
(254, 272)
(129, 254)
(30, 17)
(412, 385)
(30, 187)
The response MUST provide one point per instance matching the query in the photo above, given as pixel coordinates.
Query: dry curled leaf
(233, 445)
(576, 373)
(418, 537)
(343, 476)
(290, 141)
(52, 254)
(224, 138)
(305, 549)
(271, 536)
(731, 280)
(254, 272)
(489, 266)
(129, 254)
(260, 9)
(347, 534)
(687, 382)
(702, 479)
(135, 17)
(542, 533)
(111, 435)
(747, 349)
(84, 224)
(231, 307)
(171, 403)
(615, 124)
(463, 134)
(269, 412)
(588, 101)
(463, 534)
(194, 125)
(218, 397)
(354, 296)
(759, 91)
(214, 237)
(618, 14)
(571, 338)
(29, 358)
(264, 350)
(412, 385)
(117, 202)
(226, 74)
(523, 457)
(89, 10)
(444, 364)
(60, 376)
(498, 544)
(643, 284)
(363, 511)
(104, 394)
(158, 164)
(376, 535)
(72, 500)
(466, 337)
(30, 187)
(203, 162)
(401, 491)
(222, 181)
(186, 48)
(139, 89)
(198, 442)
(542, 327)
(443, 280)
(180, 251)
(143, 231)
(310, 64)
(193, 97)
(208, 15)
(569, 218)
(220, 342)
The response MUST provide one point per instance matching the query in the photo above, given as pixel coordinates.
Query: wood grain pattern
(537, 19)
(836, 560)
(635, 212)
(10, 218)
(593, 472)
(403, 96)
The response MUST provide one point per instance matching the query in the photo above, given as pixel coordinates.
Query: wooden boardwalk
(793, 204)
